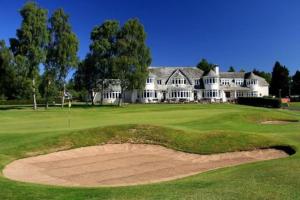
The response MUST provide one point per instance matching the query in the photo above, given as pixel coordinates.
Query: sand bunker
(124, 164)
(278, 122)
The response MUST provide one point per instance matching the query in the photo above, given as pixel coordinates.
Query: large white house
(188, 84)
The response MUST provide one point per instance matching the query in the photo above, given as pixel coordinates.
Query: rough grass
(192, 128)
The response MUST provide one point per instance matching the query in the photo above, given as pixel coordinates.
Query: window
(180, 94)
(211, 93)
(149, 80)
(111, 95)
(158, 82)
(251, 82)
(149, 94)
(225, 81)
(239, 82)
(239, 94)
(179, 81)
(197, 82)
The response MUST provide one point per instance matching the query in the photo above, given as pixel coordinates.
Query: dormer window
(210, 80)
(252, 82)
(158, 82)
(149, 80)
(197, 82)
(179, 81)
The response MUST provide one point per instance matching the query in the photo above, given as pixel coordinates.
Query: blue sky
(243, 33)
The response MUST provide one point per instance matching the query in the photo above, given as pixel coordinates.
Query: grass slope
(192, 128)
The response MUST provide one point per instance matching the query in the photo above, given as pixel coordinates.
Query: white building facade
(190, 84)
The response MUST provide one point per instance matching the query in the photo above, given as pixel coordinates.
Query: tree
(266, 75)
(85, 79)
(242, 70)
(280, 80)
(49, 86)
(22, 83)
(31, 40)
(205, 66)
(133, 57)
(231, 69)
(63, 47)
(7, 73)
(296, 83)
(103, 51)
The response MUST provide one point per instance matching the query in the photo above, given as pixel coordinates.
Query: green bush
(260, 102)
(20, 102)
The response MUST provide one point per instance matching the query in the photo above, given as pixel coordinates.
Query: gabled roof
(261, 81)
(177, 71)
(211, 73)
(165, 72)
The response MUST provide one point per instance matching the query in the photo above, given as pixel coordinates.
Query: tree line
(116, 53)
(281, 83)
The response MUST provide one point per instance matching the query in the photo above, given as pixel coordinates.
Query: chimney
(217, 70)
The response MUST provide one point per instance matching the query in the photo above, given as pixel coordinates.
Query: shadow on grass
(84, 106)
(15, 107)
(88, 106)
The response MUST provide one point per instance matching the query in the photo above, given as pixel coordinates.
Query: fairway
(200, 129)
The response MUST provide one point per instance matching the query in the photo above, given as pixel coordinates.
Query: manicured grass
(193, 128)
(294, 106)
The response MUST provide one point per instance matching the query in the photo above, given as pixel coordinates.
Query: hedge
(260, 102)
(295, 98)
(20, 102)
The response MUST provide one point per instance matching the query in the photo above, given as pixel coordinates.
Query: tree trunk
(92, 97)
(121, 97)
(33, 94)
(47, 96)
(63, 95)
(102, 90)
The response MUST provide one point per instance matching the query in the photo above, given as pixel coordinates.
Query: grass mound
(193, 142)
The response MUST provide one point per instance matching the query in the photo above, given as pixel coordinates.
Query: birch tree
(31, 41)
(63, 47)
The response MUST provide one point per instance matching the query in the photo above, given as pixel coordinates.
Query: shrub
(260, 102)
(20, 102)
(295, 98)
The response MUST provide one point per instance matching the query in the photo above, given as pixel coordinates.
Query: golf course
(203, 129)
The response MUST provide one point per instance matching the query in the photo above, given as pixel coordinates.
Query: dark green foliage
(205, 66)
(7, 72)
(280, 81)
(62, 49)
(296, 83)
(231, 69)
(103, 51)
(260, 102)
(21, 102)
(266, 75)
(133, 56)
(22, 83)
(31, 41)
(49, 88)
(85, 78)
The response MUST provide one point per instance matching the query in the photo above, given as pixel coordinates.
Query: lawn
(294, 106)
(193, 128)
